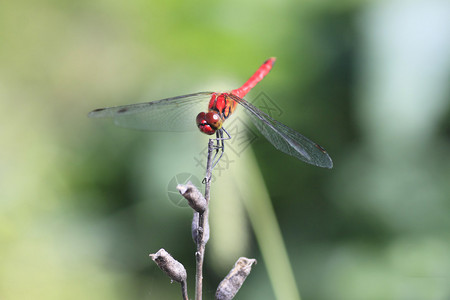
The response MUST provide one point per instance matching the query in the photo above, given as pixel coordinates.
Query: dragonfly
(177, 114)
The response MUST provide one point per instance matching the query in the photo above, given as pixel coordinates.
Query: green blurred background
(83, 203)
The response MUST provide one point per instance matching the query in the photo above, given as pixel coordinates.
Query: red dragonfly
(172, 114)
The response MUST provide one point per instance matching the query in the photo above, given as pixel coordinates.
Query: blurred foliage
(82, 203)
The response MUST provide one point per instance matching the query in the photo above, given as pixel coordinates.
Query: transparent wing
(286, 139)
(171, 114)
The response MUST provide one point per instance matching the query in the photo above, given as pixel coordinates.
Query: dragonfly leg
(216, 146)
(214, 160)
(220, 145)
(228, 135)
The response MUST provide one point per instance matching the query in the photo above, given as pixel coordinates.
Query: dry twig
(173, 268)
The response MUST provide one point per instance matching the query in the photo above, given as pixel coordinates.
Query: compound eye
(207, 129)
(201, 118)
(203, 125)
(213, 119)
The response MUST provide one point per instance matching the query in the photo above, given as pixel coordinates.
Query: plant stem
(184, 290)
(202, 223)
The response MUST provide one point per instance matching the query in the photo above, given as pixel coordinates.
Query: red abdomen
(257, 77)
(224, 105)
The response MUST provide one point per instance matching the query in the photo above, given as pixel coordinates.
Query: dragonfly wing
(171, 114)
(286, 139)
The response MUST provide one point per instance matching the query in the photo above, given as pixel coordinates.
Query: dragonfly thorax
(209, 122)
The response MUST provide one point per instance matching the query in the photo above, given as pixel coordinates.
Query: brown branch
(203, 224)
(184, 290)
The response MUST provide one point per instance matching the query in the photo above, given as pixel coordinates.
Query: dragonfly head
(209, 122)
